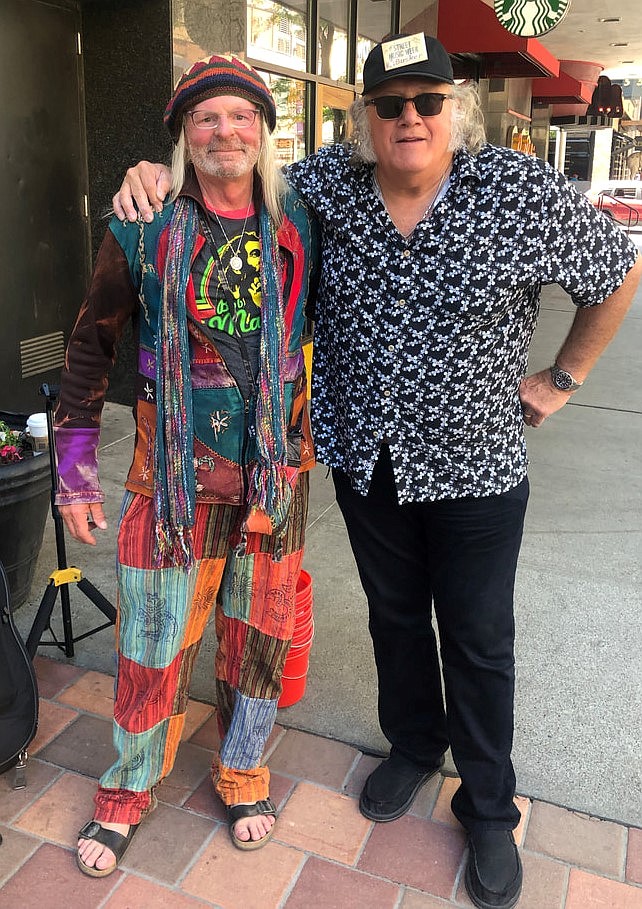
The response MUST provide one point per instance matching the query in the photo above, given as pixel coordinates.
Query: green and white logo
(531, 18)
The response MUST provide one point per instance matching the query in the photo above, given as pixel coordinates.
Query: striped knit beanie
(221, 74)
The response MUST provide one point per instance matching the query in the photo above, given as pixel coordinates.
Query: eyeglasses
(239, 119)
(391, 107)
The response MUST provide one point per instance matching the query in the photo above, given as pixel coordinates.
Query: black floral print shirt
(421, 343)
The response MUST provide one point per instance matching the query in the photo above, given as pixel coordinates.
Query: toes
(105, 860)
(261, 826)
(242, 831)
(254, 828)
(95, 855)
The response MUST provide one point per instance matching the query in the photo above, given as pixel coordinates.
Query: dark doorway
(44, 234)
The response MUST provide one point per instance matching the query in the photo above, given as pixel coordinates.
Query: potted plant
(25, 494)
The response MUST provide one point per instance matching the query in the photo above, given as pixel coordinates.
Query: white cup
(37, 429)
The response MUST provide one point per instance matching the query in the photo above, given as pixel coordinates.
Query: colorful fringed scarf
(269, 489)
(174, 481)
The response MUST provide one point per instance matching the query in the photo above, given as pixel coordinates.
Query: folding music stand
(64, 575)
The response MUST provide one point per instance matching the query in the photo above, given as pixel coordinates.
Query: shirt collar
(465, 167)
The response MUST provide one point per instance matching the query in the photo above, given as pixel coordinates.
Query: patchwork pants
(162, 614)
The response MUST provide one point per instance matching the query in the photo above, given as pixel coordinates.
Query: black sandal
(238, 812)
(117, 842)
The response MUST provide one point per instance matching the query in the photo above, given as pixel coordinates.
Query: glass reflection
(335, 121)
(374, 21)
(332, 47)
(277, 34)
(289, 135)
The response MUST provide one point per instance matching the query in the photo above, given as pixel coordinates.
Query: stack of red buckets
(295, 670)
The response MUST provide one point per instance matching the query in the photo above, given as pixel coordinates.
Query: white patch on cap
(404, 51)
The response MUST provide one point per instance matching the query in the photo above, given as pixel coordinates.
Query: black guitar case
(18, 687)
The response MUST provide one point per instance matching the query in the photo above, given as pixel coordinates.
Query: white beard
(214, 167)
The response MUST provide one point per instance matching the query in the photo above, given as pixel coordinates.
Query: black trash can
(25, 497)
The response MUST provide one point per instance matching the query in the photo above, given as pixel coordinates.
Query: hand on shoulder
(143, 190)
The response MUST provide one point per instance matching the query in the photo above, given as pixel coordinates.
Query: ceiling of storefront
(582, 35)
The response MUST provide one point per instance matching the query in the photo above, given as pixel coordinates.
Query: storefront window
(374, 22)
(289, 135)
(277, 34)
(333, 40)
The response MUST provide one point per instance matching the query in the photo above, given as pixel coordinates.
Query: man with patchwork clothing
(216, 502)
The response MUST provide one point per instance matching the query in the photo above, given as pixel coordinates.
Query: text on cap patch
(404, 51)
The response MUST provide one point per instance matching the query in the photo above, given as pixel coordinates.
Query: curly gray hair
(467, 125)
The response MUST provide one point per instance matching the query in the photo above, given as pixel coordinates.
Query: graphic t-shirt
(228, 292)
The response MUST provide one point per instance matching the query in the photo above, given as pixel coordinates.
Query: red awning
(574, 85)
(471, 27)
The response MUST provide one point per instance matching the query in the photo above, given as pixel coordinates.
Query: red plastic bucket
(303, 633)
(292, 690)
(295, 669)
(303, 595)
(297, 660)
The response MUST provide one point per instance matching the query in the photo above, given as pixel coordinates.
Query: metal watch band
(563, 380)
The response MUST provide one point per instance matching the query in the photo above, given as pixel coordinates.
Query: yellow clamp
(65, 576)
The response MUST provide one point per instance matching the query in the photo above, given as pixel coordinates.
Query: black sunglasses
(390, 107)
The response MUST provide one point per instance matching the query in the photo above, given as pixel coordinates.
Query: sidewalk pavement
(323, 853)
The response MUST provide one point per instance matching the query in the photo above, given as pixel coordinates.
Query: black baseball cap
(407, 55)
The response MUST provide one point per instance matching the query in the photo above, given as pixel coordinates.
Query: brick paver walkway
(324, 854)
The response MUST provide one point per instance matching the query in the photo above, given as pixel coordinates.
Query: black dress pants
(460, 556)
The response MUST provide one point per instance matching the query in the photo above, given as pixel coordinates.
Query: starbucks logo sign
(531, 18)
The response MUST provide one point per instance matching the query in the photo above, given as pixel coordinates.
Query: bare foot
(253, 828)
(94, 854)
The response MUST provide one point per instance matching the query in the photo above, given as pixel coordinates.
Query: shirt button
(406, 253)
(387, 393)
(401, 302)
(391, 347)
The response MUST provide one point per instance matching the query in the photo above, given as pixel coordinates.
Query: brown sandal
(117, 842)
(238, 812)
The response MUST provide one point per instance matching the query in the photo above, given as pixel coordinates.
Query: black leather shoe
(494, 869)
(391, 789)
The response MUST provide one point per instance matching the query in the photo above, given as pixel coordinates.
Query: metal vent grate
(42, 353)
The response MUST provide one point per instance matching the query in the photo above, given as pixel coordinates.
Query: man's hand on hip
(540, 398)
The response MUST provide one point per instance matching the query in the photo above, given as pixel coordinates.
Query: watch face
(562, 380)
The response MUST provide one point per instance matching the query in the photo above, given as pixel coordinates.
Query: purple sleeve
(77, 453)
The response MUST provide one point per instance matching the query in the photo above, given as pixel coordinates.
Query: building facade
(101, 73)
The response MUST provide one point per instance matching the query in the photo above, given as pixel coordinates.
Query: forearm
(90, 353)
(110, 302)
(595, 327)
(592, 330)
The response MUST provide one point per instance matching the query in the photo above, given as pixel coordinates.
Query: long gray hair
(272, 179)
(467, 125)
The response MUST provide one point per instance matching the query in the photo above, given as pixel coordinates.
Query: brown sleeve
(111, 301)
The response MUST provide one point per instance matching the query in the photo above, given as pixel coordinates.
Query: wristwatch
(563, 380)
